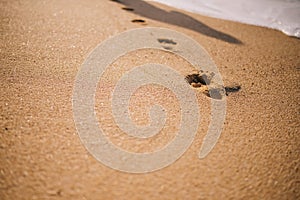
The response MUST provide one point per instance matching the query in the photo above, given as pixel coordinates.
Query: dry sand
(44, 43)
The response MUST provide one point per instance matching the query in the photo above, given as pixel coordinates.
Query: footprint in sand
(204, 83)
(140, 21)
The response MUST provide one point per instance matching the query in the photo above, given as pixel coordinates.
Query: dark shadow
(147, 10)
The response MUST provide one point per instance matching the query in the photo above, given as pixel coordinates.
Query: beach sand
(44, 43)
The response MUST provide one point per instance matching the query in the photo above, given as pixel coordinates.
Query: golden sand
(44, 43)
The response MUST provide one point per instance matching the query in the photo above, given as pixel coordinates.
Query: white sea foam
(283, 15)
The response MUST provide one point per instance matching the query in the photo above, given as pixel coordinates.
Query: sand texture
(42, 47)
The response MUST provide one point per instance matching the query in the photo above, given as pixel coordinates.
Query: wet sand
(44, 43)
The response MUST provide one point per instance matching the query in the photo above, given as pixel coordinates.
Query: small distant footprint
(167, 43)
(128, 9)
(138, 21)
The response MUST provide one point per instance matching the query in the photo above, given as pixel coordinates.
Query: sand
(44, 43)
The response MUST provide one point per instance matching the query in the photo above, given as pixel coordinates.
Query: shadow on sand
(147, 10)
